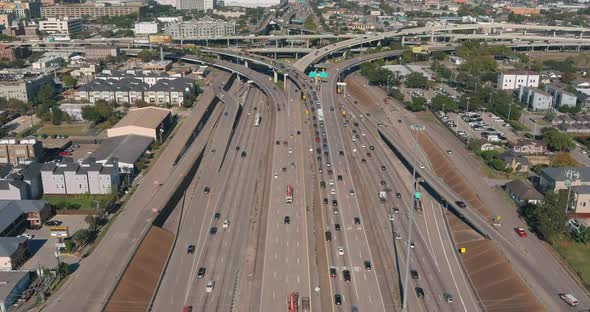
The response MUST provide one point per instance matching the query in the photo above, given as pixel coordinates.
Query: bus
(289, 197)
(257, 118)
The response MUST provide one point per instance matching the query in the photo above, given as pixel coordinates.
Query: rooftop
(8, 245)
(523, 190)
(519, 72)
(560, 173)
(9, 280)
(127, 149)
(145, 117)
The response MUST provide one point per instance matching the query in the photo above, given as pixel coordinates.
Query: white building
(50, 62)
(64, 25)
(170, 19)
(147, 28)
(199, 5)
(251, 3)
(515, 79)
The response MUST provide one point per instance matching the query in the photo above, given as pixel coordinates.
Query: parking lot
(42, 245)
(483, 126)
(82, 151)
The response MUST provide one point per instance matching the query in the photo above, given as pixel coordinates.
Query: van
(210, 286)
(328, 236)
(569, 299)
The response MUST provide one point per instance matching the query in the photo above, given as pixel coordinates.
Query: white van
(569, 299)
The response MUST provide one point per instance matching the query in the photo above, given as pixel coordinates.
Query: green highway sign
(417, 195)
(324, 74)
(313, 74)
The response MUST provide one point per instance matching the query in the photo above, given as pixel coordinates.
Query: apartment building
(101, 52)
(561, 97)
(61, 25)
(148, 77)
(16, 152)
(537, 100)
(147, 28)
(513, 80)
(206, 27)
(87, 177)
(22, 88)
(20, 183)
(89, 9)
(21, 8)
(199, 5)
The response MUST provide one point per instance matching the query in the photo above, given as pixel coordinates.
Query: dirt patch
(498, 286)
(136, 287)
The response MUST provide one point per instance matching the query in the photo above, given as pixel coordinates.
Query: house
(88, 177)
(13, 284)
(536, 100)
(518, 163)
(554, 179)
(14, 251)
(523, 193)
(581, 199)
(529, 147)
(561, 97)
(17, 215)
(146, 121)
(513, 80)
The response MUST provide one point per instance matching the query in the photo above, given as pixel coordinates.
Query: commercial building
(74, 110)
(23, 88)
(94, 10)
(147, 28)
(7, 52)
(14, 251)
(554, 179)
(13, 284)
(529, 147)
(16, 152)
(18, 215)
(146, 121)
(127, 149)
(21, 8)
(206, 27)
(63, 25)
(513, 80)
(5, 20)
(87, 177)
(199, 5)
(537, 100)
(48, 62)
(581, 199)
(251, 3)
(101, 52)
(561, 97)
(230, 14)
(160, 65)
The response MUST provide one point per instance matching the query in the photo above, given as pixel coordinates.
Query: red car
(65, 154)
(332, 272)
(521, 232)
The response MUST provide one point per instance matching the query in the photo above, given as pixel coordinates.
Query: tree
(81, 237)
(93, 223)
(441, 102)
(89, 113)
(439, 55)
(563, 159)
(148, 55)
(45, 93)
(582, 235)
(557, 140)
(568, 77)
(416, 80)
(68, 245)
(310, 23)
(417, 104)
(57, 116)
(43, 111)
(63, 269)
(69, 81)
(548, 219)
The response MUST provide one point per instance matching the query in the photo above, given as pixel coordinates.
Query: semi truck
(289, 197)
(292, 302)
(320, 114)
(305, 304)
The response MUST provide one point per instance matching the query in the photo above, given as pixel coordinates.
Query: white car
(225, 224)
(421, 166)
(290, 150)
(276, 176)
(333, 191)
(397, 236)
(210, 286)
(341, 251)
(26, 235)
(331, 182)
(391, 217)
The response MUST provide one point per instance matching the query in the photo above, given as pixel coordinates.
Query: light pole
(417, 129)
(388, 77)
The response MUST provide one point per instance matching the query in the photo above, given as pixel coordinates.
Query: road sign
(463, 250)
(417, 195)
(313, 74)
(324, 74)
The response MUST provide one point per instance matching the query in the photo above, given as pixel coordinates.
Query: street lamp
(417, 129)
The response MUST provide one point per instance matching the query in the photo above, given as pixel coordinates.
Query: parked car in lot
(53, 223)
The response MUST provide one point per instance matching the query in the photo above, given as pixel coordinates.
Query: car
(461, 204)
(210, 286)
(337, 299)
(369, 155)
(53, 223)
(395, 210)
(278, 142)
(237, 147)
(419, 292)
(331, 182)
(201, 272)
(217, 216)
(206, 190)
(346, 275)
(383, 182)
(328, 235)
(364, 161)
(521, 232)
(414, 274)
(449, 152)
(287, 220)
(421, 166)
(367, 264)
(351, 192)
(383, 168)
(412, 245)
(357, 220)
(27, 235)
(335, 210)
(333, 191)
(290, 150)
(391, 217)
(448, 298)
(244, 154)
(322, 184)
(337, 226)
(190, 249)
(339, 177)
(333, 272)
(325, 201)
(371, 147)
(397, 236)
(398, 195)
(328, 164)
(298, 132)
(225, 224)
(213, 230)
(341, 153)
(334, 202)
(341, 251)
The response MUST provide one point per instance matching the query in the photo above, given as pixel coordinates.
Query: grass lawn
(76, 202)
(577, 255)
(69, 130)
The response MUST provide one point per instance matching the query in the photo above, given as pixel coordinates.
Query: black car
(332, 272)
(364, 161)
(341, 153)
(383, 182)
(367, 265)
(298, 132)
(325, 201)
(346, 275)
(357, 220)
(278, 142)
(201, 272)
(337, 299)
(337, 226)
(190, 249)
(330, 172)
(243, 154)
(334, 202)
(339, 177)
(419, 292)
(372, 147)
(53, 223)
(237, 147)
(383, 168)
(398, 195)
(328, 236)
(217, 215)
(326, 154)
(213, 231)
(414, 274)
(287, 220)
(461, 204)
(206, 190)
(323, 184)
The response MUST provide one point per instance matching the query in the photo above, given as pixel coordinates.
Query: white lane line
(429, 238)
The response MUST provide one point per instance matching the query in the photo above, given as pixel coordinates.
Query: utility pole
(417, 129)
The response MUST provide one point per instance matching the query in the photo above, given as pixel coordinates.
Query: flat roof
(145, 117)
(127, 149)
(8, 280)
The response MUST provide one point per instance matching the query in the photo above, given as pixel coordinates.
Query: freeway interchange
(286, 199)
